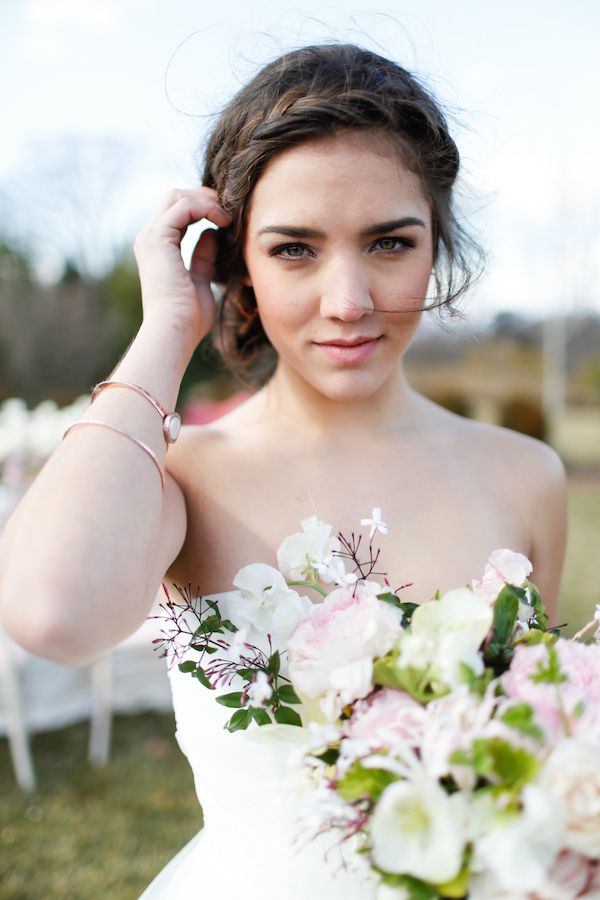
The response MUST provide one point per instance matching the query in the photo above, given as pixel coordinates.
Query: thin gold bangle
(126, 434)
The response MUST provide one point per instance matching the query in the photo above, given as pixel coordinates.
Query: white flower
(445, 633)
(418, 829)
(386, 892)
(453, 650)
(597, 613)
(347, 580)
(518, 848)
(264, 602)
(322, 735)
(331, 569)
(307, 549)
(260, 690)
(570, 777)
(417, 651)
(503, 567)
(237, 646)
(375, 523)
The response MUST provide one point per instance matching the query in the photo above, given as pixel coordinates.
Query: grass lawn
(91, 833)
(581, 580)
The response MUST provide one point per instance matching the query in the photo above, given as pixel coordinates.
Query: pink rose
(569, 877)
(331, 651)
(581, 664)
(386, 718)
(503, 567)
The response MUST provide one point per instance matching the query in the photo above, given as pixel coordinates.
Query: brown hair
(308, 93)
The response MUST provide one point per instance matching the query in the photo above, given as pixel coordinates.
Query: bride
(329, 181)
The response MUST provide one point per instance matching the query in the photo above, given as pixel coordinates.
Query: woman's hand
(172, 296)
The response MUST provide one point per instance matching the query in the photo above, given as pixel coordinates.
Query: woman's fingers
(180, 208)
(202, 263)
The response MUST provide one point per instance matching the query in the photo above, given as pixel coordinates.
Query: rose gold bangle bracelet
(126, 434)
(171, 422)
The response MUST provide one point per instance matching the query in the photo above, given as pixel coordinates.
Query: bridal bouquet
(456, 742)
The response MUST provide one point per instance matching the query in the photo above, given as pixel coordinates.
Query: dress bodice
(252, 792)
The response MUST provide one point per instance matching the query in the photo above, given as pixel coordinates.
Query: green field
(90, 833)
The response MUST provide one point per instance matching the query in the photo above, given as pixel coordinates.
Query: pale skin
(338, 249)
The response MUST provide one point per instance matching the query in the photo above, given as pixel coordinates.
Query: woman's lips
(349, 353)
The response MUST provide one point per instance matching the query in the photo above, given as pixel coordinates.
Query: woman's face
(338, 249)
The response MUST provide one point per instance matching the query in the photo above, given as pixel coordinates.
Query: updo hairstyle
(310, 93)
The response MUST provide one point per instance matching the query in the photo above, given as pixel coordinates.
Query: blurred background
(106, 104)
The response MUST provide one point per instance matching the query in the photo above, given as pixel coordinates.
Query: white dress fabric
(252, 845)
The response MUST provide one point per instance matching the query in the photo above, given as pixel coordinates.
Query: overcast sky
(521, 77)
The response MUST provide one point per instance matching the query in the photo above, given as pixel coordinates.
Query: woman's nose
(345, 292)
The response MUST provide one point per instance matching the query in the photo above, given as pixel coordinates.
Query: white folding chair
(16, 724)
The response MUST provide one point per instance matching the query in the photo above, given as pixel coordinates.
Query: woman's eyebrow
(294, 231)
(392, 225)
(290, 231)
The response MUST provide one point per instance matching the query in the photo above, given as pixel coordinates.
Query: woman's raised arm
(83, 554)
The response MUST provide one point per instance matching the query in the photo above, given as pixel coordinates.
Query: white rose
(518, 848)
(445, 633)
(571, 777)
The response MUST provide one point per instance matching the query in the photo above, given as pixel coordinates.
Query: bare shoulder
(527, 462)
(530, 477)
(211, 454)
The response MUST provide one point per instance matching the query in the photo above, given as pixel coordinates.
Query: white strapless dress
(252, 845)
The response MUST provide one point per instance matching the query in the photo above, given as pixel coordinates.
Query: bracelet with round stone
(171, 422)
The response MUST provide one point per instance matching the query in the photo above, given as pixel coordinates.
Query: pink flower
(568, 877)
(331, 651)
(503, 567)
(386, 718)
(579, 696)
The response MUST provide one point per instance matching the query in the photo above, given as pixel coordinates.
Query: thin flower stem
(309, 584)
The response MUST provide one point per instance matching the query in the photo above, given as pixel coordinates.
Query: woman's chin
(350, 387)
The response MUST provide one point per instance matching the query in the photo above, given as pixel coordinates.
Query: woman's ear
(246, 280)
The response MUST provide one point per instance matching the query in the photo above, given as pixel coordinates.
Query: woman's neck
(294, 402)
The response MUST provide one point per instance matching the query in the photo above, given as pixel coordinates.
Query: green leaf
(204, 648)
(536, 601)
(246, 674)
(458, 887)
(286, 716)
(506, 608)
(209, 625)
(386, 671)
(239, 720)
(200, 674)
(498, 761)
(389, 597)
(274, 664)
(233, 700)
(359, 782)
(329, 757)
(260, 716)
(413, 887)
(520, 717)
(187, 666)
(407, 613)
(550, 673)
(228, 625)
(287, 694)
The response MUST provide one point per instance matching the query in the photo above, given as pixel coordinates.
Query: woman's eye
(290, 251)
(392, 244)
